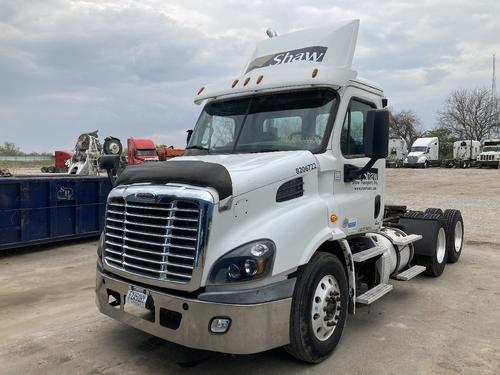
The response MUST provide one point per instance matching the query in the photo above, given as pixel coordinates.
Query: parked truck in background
(466, 153)
(398, 151)
(168, 152)
(424, 153)
(141, 150)
(273, 226)
(61, 162)
(490, 154)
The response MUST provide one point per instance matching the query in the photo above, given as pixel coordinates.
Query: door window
(352, 143)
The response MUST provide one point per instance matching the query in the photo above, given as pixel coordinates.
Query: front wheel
(319, 308)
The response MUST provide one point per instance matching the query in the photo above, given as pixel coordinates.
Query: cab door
(360, 201)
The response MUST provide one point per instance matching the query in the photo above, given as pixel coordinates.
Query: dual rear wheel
(448, 240)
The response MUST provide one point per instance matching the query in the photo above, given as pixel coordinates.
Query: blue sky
(132, 68)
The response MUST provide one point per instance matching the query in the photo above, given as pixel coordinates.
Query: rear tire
(432, 210)
(436, 263)
(453, 225)
(321, 292)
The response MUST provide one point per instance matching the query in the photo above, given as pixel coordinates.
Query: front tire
(319, 308)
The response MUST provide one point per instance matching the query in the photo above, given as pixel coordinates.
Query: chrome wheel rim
(441, 246)
(459, 235)
(326, 308)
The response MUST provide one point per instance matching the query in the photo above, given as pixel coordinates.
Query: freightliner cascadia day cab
(424, 153)
(272, 227)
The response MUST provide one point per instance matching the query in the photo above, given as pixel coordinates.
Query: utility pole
(494, 100)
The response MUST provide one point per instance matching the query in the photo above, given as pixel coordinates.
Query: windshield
(419, 149)
(146, 153)
(491, 148)
(264, 123)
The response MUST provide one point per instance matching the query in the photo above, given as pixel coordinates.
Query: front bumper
(489, 163)
(254, 328)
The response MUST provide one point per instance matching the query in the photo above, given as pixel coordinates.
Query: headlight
(251, 261)
(421, 160)
(406, 160)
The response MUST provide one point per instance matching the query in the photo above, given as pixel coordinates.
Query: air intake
(290, 190)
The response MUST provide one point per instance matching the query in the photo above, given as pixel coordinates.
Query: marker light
(200, 90)
(220, 325)
(259, 78)
(235, 82)
(333, 218)
(246, 81)
(315, 72)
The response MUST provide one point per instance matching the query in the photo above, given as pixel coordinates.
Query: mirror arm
(352, 172)
(111, 176)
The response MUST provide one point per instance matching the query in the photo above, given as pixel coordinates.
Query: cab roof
(313, 57)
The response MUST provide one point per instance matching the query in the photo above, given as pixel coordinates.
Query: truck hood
(490, 153)
(416, 153)
(252, 171)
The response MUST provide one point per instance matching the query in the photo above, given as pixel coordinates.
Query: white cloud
(131, 68)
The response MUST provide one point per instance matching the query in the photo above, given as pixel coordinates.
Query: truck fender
(351, 275)
(342, 250)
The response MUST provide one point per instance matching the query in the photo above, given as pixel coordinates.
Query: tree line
(10, 149)
(466, 114)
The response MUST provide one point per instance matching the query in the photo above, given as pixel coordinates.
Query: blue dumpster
(41, 209)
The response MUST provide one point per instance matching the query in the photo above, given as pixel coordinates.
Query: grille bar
(151, 239)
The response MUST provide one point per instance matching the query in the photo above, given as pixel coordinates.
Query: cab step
(406, 240)
(410, 273)
(374, 294)
(368, 254)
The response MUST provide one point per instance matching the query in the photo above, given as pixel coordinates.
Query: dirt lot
(450, 325)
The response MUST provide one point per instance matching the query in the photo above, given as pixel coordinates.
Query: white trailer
(424, 153)
(490, 154)
(398, 151)
(272, 228)
(465, 153)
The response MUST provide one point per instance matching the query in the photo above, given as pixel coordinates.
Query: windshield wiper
(198, 147)
(266, 150)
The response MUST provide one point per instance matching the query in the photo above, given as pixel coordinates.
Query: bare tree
(405, 124)
(469, 113)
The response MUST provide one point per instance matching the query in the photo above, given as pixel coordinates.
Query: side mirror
(110, 163)
(376, 137)
(189, 134)
(376, 134)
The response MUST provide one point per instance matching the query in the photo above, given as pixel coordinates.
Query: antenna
(271, 33)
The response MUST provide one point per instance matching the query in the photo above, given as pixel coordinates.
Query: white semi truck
(397, 152)
(272, 228)
(465, 153)
(424, 153)
(490, 154)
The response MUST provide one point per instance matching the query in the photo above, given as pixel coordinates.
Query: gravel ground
(49, 323)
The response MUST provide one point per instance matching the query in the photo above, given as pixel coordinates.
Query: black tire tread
(449, 219)
(433, 210)
(300, 346)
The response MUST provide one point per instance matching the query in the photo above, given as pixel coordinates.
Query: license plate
(137, 298)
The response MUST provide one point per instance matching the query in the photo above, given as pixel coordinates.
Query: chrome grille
(412, 159)
(487, 157)
(153, 239)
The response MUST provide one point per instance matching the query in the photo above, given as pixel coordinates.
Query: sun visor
(330, 45)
